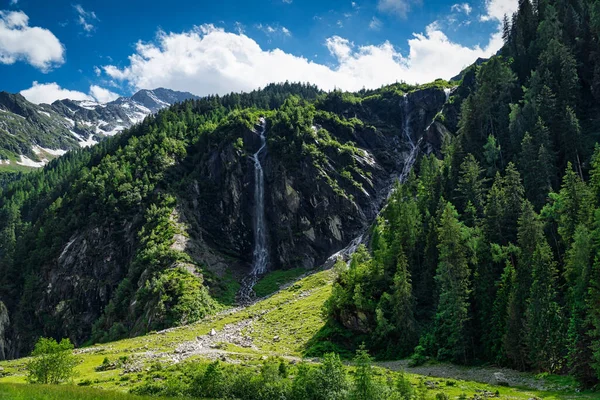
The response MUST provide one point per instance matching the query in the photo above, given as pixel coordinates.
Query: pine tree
(471, 186)
(365, 385)
(514, 341)
(403, 304)
(452, 277)
(573, 207)
(497, 327)
(492, 155)
(545, 325)
(592, 299)
(577, 275)
(537, 165)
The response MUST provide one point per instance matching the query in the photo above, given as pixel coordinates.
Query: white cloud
(102, 95)
(269, 30)
(20, 42)
(375, 24)
(462, 7)
(239, 27)
(97, 71)
(208, 60)
(85, 18)
(13, 2)
(49, 92)
(287, 1)
(496, 9)
(400, 8)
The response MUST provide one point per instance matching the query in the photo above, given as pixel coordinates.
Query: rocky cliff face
(309, 219)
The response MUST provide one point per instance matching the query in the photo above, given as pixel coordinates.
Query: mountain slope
(151, 228)
(31, 135)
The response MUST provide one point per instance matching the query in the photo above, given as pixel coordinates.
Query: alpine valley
(446, 236)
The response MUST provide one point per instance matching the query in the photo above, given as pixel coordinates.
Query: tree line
(491, 252)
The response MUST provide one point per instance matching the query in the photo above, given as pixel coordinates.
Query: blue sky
(101, 49)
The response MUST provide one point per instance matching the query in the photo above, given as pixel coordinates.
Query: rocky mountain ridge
(31, 134)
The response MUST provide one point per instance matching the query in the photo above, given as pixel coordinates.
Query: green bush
(52, 362)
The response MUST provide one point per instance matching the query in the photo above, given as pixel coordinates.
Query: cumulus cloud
(13, 2)
(496, 9)
(85, 18)
(207, 60)
(462, 7)
(21, 42)
(102, 95)
(400, 8)
(49, 92)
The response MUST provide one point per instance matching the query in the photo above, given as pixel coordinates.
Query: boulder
(499, 379)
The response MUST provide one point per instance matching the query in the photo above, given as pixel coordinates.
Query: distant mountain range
(31, 135)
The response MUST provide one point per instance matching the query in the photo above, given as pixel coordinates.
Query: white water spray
(260, 256)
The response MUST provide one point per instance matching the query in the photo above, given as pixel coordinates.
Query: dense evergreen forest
(491, 253)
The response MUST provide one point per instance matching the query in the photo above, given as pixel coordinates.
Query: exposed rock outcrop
(4, 325)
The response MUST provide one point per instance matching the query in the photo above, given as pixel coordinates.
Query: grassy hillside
(44, 392)
(281, 326)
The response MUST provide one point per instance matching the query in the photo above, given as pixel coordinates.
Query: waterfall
(410, 160)
(414, 147)
(260, 255)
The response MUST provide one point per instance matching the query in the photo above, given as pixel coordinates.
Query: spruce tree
(514, 341)
(545, 324)
(453, 279)
(578, 265)
(471, 185)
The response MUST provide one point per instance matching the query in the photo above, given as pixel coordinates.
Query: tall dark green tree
(453, 279)
(515, 340)
(578, 266)
(545, 322)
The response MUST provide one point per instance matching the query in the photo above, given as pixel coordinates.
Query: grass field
(273, 281)
(281, 325)
(64, 392)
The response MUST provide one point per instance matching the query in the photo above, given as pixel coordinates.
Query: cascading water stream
(410, 160)
(260, 256)
(414, 148)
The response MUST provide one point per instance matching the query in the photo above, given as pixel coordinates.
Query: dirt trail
(476, 374)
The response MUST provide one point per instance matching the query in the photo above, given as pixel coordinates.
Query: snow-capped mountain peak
(67, 124)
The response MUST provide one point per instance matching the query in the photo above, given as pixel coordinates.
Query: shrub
(212, 383)
(52, 362)
(404, 387)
